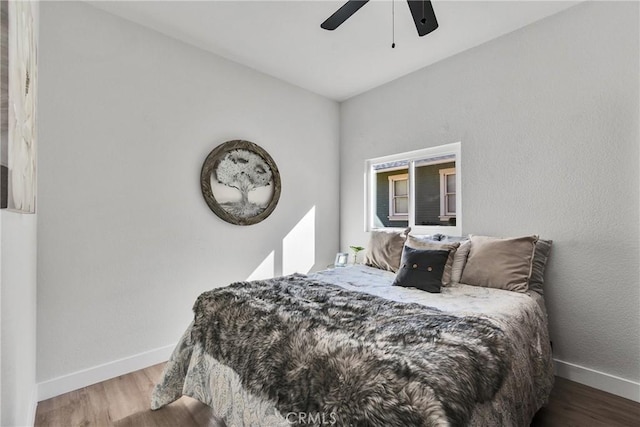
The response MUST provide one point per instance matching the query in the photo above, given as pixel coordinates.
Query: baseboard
(87, 377)
(600, 380)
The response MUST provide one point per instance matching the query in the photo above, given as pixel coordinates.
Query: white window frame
(412, 157)
(393, 215)
(445, 214)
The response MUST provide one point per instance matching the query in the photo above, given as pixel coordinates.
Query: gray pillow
(385, 249)
(459, 261)
(425, 243)
(500, 263)
(421, 269)
(540, 257)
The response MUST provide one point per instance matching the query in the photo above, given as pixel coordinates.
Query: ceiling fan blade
(423, 16)
(342, 14)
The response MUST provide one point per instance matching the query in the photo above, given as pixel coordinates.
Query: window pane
(402, 205)
(422, 202)
(401, 187)
(451, 203)
(451, 183)
(383, 197)
(428, 207)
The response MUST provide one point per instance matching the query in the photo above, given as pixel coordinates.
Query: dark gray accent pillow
(420, 242)
(540, 257)
(421, 269)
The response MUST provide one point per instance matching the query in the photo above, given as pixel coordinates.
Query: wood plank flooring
(575, 405)
(124, 402)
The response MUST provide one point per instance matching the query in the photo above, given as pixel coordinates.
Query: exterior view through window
(420, 189)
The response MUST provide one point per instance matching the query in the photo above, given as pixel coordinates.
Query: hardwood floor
(575, 405)
(124, 402)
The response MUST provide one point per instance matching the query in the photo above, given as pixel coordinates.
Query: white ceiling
(284, 38)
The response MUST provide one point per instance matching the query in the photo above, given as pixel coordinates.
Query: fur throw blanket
(351, 358)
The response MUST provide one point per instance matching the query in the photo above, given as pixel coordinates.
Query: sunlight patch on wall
(266, 269)
(299, 246)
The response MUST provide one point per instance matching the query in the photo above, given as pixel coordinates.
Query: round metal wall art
(240, 182)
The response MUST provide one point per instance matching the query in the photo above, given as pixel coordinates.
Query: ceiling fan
(421, 10)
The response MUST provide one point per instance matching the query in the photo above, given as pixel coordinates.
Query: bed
(344, 347)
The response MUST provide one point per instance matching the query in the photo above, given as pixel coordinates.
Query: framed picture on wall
(240, 182)
(19, 78)
(4, 101)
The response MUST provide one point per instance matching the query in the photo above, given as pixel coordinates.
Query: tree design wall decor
(240, 182)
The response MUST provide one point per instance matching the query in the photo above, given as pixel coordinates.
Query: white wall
(548, 120)
(126, 241)
(18, 279)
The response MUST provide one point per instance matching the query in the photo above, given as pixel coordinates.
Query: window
(420, 189)
(447, 194)
(399, 197)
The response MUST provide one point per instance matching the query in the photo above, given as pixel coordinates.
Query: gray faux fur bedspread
(352, 358)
